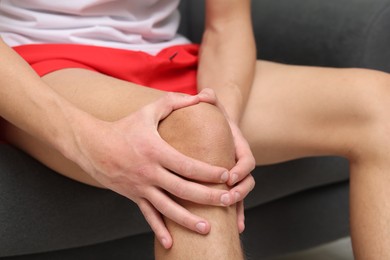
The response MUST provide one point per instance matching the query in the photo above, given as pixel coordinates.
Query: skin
(327, 111)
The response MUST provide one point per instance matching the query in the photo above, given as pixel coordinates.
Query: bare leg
(296, 112)
(210, 141)
(300, 111)
(198, 131)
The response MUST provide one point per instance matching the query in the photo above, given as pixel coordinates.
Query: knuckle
(137, 194)
(149, 150)
(209, 92)
(252, 163)
(141, 205)
(145, 208)
(144, 172)
(179, 190)
(212, 196)
(186, 221)
(186, 169)
(161, 204)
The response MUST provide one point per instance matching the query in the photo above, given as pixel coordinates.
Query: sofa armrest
(336, 33)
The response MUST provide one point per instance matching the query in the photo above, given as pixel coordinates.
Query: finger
(208, 95)
(170, 102)
(190, 168)
(240, 216)
(155, 221)
(241, 190)
(245, 160)
(170, 209)
(194, 192)
(244, 165)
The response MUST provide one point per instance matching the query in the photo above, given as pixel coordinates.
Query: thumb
(170, 102)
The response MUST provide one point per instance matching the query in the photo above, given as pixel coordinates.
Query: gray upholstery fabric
(297, 222)
(273, 228)
(280, 180)
(41, 210)
(354, 33)
(335, 33)
(295, 204)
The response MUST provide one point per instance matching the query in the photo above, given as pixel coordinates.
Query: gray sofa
(296, 205)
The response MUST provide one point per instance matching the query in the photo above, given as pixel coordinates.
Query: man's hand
(130, 158)
(240, 179)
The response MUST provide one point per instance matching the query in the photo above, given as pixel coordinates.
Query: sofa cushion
(41, 210)
(336, 33)
(283, 179)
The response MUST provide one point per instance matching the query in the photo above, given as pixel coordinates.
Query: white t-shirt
(146, 25)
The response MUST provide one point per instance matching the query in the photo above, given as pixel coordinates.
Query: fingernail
(225, 199)
(201, 227)
(224, 177)
(234, 178)
(237, 196)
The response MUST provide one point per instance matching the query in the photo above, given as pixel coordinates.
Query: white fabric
(146, 25)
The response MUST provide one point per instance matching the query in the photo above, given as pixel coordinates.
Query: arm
(30, 104)
(228, 54)
(27, 102)
(227, 65)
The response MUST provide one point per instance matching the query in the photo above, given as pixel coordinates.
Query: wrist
(75, 126)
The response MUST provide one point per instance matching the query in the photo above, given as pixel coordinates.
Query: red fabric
(173, 69)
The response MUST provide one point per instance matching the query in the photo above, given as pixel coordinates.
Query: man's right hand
(129, 157)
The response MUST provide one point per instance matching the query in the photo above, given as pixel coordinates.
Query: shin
(202, 133)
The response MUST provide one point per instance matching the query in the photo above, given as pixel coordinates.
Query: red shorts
(173, 69)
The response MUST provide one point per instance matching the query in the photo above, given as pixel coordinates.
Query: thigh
(298, 111)
(102, 96)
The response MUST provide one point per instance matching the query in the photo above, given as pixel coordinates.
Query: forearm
(228, 56)
(27, 102)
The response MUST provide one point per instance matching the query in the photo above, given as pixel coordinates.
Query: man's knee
(200, 131)
(373, 141)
